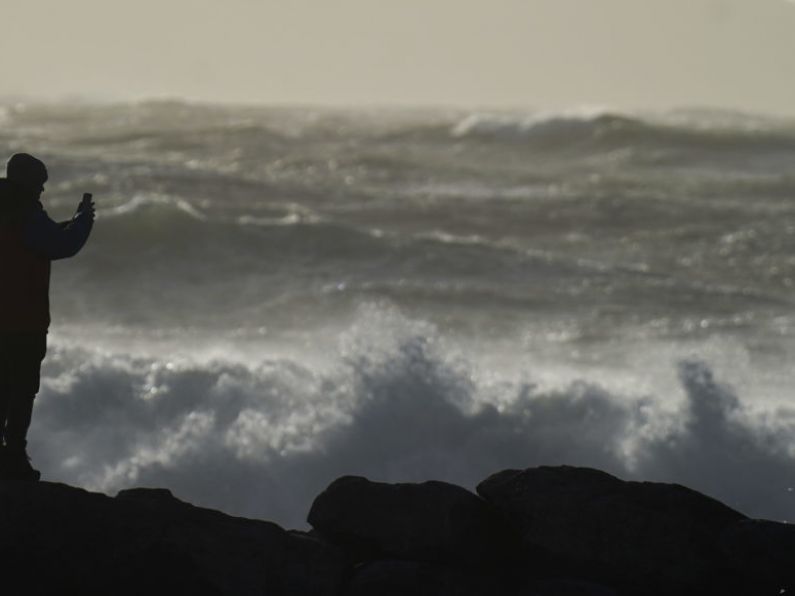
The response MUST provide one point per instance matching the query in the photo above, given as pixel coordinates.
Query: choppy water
(274, 297)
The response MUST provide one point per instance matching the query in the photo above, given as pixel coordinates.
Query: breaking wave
(262, 438)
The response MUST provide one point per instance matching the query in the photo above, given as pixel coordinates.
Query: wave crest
(262, 439)
(597, 129)
(575, 123)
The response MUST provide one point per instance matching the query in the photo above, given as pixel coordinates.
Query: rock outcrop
(430, 522)
(634, 534)
(55, 539)
(545, 531)
(763, 553)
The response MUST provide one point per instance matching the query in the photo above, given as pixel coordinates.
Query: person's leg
(5, 387)
(31, 348)
(18, 417)
(3, 414)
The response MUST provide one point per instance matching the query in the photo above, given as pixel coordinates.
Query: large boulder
(399, 578)
(763, 552)
(653, 537)
(430, 521)
(55, 539)
(391, 577)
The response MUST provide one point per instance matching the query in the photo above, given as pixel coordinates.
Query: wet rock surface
(430, 521)
(548, 531)
(633, 533)
(762, 552)
(56, 539)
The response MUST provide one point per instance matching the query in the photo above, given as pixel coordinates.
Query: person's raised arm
(60, 240)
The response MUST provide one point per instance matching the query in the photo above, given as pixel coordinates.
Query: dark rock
(540, 532)
(567, 587)
(432, 521)
(57, 539)
(652, 537)
(763, 552)
(403, 578)
(149, 495)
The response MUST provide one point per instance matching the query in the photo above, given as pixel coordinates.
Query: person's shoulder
(7, 203)
(36, 213)
(31, 216)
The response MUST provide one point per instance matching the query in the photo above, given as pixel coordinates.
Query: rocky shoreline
(546, 531)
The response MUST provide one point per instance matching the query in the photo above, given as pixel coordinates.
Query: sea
(273, 297)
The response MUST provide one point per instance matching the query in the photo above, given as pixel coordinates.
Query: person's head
(27, 173)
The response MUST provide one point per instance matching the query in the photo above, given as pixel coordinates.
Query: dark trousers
(21, 354)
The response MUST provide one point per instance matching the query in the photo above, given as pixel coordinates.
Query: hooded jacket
(29, 240)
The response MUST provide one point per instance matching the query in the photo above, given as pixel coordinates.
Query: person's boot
(15, 465)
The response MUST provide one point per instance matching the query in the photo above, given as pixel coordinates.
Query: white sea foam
(517, 125)
(395, 403)
(141, 201)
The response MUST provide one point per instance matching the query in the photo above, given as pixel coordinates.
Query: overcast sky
(518, 53)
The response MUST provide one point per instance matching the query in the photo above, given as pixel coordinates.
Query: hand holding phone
(86, 205)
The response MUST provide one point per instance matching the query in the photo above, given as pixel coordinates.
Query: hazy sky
(524, 53)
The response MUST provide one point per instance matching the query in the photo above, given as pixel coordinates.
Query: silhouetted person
(29, 240)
